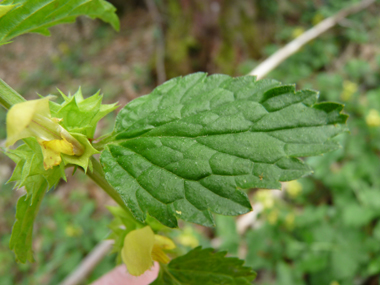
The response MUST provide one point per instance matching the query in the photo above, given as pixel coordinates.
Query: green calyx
(65, 125)
(81, 115)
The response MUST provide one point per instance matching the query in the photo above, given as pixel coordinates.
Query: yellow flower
(297, 32)
(73, 231)
(266, 198)
(294, 188)
(32, 119)
(273, 217)
(142, 247)
(317, 19)
(188, 238)
(289, 221)
(373, 118)
(349, 89)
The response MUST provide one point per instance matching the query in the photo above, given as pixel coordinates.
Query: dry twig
(278, 57)
(89, 263)
(160, 52)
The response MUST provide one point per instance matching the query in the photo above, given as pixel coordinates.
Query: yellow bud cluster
(273, 217)
(187, 238)
(373, 118)
(297, 32)
(266, 198)
(293, 188)
(317, 19)
(349, 89)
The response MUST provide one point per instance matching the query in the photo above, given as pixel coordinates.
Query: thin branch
(8, 96)
(160, 51)
(89, 263)
(278, 57)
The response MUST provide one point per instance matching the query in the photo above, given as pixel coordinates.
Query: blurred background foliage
(322, 229)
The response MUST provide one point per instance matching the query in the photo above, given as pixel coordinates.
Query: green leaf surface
(27, 209)
(203, 266)
(189, 148)
(24, 16)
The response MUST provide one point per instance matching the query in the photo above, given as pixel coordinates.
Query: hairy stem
(8, 96)
(97, 175)
(103, 141)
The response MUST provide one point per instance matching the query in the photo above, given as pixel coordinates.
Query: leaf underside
(189, 148)
(24, 16)
(203, 266)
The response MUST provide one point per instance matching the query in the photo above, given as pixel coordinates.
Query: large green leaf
(24, 16)
(191, 146)
(202, 266)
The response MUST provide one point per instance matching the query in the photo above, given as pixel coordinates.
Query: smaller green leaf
(18, 17)
(203, 266)
(29, 162)
(5, 9)
(27, 209)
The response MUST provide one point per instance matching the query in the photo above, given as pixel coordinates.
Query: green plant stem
(103, 141)
(8, 96)
(97, 175)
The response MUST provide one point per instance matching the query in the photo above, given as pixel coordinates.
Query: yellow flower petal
(373, 118)
(294, 188)
(60, 146)
(137, 250)
(51, 157)
(160, 243)
(163, 242)
(20, 117)
(159, 255)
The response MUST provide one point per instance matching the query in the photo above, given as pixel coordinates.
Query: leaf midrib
(184, 179)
